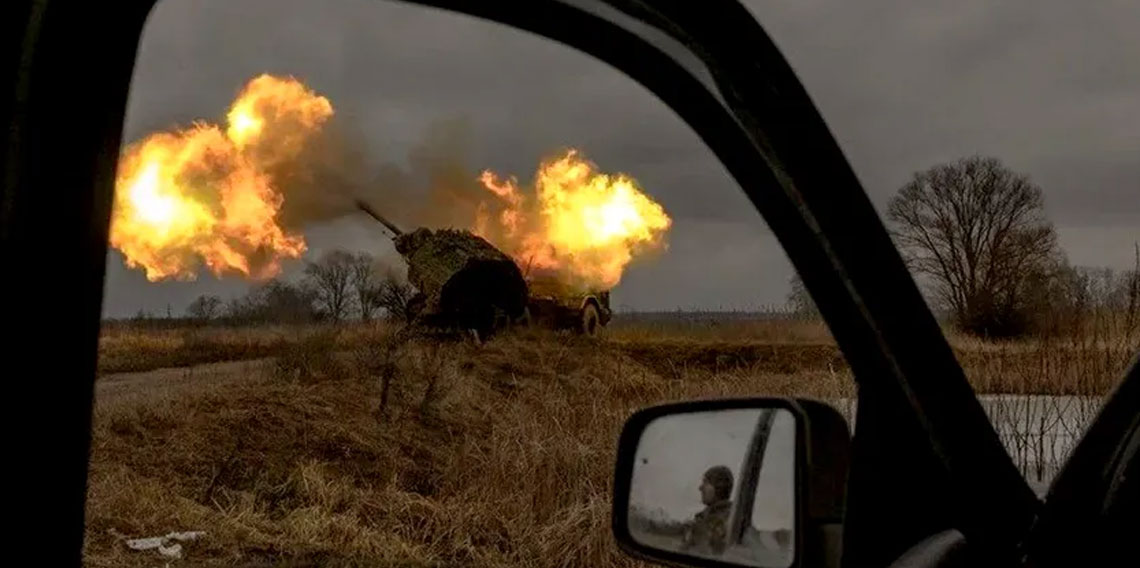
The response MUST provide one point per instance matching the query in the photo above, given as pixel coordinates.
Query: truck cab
(555, 304)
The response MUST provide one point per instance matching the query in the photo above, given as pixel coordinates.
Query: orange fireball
(202, 195)
(581, 225)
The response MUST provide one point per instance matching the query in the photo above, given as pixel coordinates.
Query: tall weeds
(376, 446)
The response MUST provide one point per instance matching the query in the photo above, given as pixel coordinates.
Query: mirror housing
(818, 469)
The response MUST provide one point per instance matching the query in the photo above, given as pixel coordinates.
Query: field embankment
(358, 446)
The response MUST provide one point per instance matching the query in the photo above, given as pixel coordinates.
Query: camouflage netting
(464, 279)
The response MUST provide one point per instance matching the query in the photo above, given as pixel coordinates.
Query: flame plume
(203, 195)
(578, 224)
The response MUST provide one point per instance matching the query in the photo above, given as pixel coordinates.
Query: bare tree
(285, 302)
(205, 308)
(365, 285)
(394, 295)
(978, 230)
(275, 301)
(330, 277)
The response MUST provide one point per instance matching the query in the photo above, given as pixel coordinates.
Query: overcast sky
(1052, 88)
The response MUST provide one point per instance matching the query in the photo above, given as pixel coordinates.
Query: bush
(311, 358)
(276, 301)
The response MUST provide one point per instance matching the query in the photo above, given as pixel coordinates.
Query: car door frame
(729, 82)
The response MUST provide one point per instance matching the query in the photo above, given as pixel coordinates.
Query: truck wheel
(590, 320)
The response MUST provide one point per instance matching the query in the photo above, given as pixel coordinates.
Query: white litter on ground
(168, 546)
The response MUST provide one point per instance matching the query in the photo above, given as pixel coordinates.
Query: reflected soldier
(708, 531)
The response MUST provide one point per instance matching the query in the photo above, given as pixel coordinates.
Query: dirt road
(148, 386)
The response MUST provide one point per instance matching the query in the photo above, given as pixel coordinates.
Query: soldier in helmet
(708, 531)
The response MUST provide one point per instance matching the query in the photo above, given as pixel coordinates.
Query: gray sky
(1050, 87)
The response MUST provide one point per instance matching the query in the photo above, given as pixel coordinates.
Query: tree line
(976, 236)
(336, 287)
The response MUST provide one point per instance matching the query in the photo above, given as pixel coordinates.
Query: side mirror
(741, 482)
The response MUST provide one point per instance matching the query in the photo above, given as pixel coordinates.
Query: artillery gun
(463, 282)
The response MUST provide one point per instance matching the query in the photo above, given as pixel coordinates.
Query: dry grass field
(363, 446)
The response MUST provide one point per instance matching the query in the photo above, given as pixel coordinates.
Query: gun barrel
(372, 213)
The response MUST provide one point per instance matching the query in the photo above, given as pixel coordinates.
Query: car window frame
(817, 211)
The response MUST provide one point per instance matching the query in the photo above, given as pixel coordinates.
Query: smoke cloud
(434, 185)
(321, 184)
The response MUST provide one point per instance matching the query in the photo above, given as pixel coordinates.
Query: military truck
(465, 283)
(555, 305)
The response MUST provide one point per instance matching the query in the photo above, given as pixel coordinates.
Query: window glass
(259, 381)
(279, 381)
(1011, 129)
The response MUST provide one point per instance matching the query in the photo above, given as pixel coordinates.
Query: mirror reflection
(717, 484)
